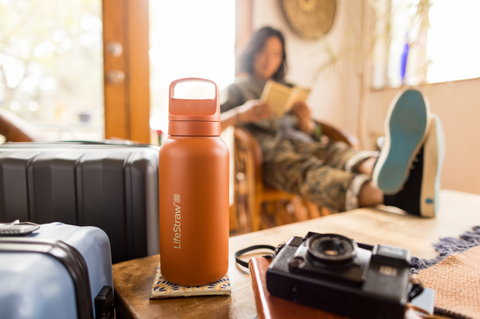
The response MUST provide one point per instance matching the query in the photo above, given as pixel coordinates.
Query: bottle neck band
(184, 128)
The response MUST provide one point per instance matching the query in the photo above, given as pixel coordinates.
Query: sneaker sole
(406, 125)
(434, 154)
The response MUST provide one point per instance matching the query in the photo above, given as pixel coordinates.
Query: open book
(281, 97)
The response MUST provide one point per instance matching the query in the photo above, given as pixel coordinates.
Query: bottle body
(194, 209)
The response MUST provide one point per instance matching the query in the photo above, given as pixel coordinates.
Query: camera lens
(329, 249)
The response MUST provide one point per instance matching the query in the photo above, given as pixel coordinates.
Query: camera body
(331, 272)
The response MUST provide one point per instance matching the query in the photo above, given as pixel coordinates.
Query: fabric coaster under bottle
(162, 289)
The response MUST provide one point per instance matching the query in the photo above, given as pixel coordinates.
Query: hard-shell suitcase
(113, 187)
(58, 271)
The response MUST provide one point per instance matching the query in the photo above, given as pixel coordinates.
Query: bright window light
(51, 66)
(189, 38)
(430, 41)
(454, 40)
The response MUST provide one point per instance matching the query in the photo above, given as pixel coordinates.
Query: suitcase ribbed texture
(114, 188)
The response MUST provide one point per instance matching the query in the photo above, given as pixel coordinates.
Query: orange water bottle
(194, 181)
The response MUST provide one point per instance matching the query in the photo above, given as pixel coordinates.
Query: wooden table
(133, 279)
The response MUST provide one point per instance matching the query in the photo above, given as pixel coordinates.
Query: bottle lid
(193, 117)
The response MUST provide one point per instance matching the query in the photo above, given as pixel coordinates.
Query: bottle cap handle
(193, 117)
(198, 108)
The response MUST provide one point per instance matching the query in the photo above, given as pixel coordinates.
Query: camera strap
(251, 248)
(417, 289)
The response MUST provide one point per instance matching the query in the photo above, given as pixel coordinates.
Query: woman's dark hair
(256, 45)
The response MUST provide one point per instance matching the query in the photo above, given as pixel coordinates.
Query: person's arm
(232, 99)
(304, 117)
(229, 118)
(250, 111)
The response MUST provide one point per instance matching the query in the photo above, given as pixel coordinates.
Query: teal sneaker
(406, 125)
(421, 192)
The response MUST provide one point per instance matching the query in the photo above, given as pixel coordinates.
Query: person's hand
(303, 114)
(253, 111)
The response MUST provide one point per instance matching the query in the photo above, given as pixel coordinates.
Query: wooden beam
(114, 95)
(139, 73)
(127, 102)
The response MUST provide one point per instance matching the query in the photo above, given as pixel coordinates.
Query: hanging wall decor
(310, 19)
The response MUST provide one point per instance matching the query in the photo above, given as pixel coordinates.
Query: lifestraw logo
(177, 225)
(176, 198)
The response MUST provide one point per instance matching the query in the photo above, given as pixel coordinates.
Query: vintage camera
(333, 273)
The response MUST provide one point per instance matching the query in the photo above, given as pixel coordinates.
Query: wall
(336, 93)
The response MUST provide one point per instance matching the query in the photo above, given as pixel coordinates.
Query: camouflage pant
(319, 172)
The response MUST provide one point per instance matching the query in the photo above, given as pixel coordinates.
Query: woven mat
(455, 275)
(456, 281)
(162, 289)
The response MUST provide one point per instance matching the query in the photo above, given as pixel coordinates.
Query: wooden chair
(251, 193)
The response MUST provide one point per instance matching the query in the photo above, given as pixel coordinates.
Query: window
(453, 45)
(426, 41)
(189, 38)
(51, 65)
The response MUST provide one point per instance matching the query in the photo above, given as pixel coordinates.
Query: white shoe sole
(433, 156)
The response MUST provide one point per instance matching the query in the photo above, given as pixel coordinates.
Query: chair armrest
(248, 143)
(16, 129)
(338, 134)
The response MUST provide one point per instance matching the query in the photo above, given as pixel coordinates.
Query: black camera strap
(251, 248)
(415, 291)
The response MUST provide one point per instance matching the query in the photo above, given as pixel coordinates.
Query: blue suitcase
(58, 271)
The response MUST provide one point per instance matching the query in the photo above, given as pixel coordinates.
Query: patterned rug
(454, 275)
